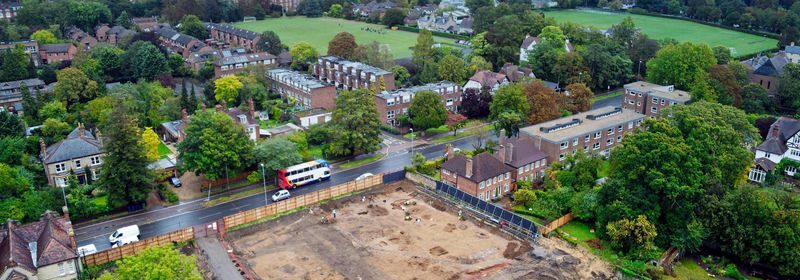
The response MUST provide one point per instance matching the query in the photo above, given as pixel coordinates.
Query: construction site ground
(394, 232)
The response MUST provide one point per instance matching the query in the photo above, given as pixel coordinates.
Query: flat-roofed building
(594, 131)
(229, 65)
(648, 98)
(349, 75)
(395, 103)
(305, 90)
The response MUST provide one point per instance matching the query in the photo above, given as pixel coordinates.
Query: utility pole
(412, 142)
(264, 177)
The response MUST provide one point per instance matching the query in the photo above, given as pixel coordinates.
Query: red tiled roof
(50, 236)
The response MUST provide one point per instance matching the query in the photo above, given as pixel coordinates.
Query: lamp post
(412, 142)
(264, 177)
(639, 71)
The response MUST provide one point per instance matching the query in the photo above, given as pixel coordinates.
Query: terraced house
(232, 64)
(80, 153)
(233, 36)
(306, 91)
(350, 75)
(393, 104)
(180, 43)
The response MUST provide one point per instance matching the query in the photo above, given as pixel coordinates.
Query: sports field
(319, 31)
(681, 30)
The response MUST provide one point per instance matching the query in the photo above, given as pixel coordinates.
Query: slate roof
(765, 164)
(792, 49)
(244, 58)
(74, 146)
(484, 166)
(145, 20)
(516, 73)
(528, 41)
(770, 66)
(466, 23)
(52, 243)
(12, 85)
(56, 48)
(776, 144)
(294, 78)
(247, 34)
(523, 151)
(175, 128)
(488, 78)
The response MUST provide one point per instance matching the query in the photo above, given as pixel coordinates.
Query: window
(585, 148)
(528, 166)
(767, 155)
(564, 145)
(61, 167)
(639, 94)
(631, 102)
(619, 138)
(610, 131)
(638, 103)
(505, 188)
(586, 139)
(390, 114)
(575, 142)
(654, 110)
(655, 100)
(596, 146)
(445, 172)
(619, 128)
(507, 175)
(632, 93)
(561, 157)
(630, 125)
(480, 196)
(597, 135)
(609, 142)
(71, 267)
(61, 269)
(795, 153)
(520, 170)
(663, 102)
(78, 164)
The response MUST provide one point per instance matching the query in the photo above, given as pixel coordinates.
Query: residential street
(160, 221)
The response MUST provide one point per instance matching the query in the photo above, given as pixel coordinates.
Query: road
(164, 220)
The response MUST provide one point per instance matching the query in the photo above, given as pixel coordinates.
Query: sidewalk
(218, 259)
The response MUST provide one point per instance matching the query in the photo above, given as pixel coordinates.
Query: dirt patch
(450, 228)
(514, 250)
(438, 251)
(595, 243)
(377, 211)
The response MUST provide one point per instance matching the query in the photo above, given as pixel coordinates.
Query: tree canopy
(213, 144)
(680, 64)
(343, 45)
(126, 178)
(158, 262)
(427, 110)
(355, 122)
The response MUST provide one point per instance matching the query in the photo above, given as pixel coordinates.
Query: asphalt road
(155, 222)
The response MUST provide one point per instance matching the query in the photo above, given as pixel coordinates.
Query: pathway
(218, 259)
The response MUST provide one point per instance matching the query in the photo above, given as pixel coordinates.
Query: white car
(364, 176)
(280, 195)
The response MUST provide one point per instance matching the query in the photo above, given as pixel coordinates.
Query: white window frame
(595, 146)
(77, 163)
(61, 167)
(563, 145)
(597, 135)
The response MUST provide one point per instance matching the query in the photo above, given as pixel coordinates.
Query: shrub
(390, 129)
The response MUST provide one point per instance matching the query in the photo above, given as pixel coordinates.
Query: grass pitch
(319, 31)
(661, 28)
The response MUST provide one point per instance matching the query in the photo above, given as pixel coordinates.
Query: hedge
(435, 33)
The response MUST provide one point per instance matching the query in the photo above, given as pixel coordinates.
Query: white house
(486, 78)
(782, 143)
(530, 43)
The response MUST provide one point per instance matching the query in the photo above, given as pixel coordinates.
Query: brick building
(229, 65)
(233, 36)
(8, 10)
(349, 75)
(80, 153)
(289, 6)
(648, 98)
(594, 131)
(112, 35)
(308, 93)
(521, 154)
(11, 94)
(486, 79)
(180, 43)
(146, 24)
(483, 175)
(56, 53)
(392, 104)
(84, 40)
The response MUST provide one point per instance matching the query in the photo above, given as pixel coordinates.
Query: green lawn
(605, 96)
(163, 150)
(316, 151)
(319, 31)
(99, 201)
(681, 30)
(688, 269)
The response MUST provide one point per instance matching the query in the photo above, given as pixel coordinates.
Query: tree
(627, 235)
(724, 83)
(680, 64)
(126, 178)
(451, 68)
(427, 110)
(393, 17)
(124, 20)
(722, 54)
(429, 74)
(335, 11)
(789, 89)
(755, 100)
(276, 154)
(54, 130)
(145, 61)
(478, 63)
(11, 125)
(214, 144)
(401, 75)
(423, 49)
(355, 124)
(270, 42)
(509, 107)
(543, 102)
(192, 26)
(375, 54)
(86, 15)
(75, 87)
(607, 66)
(53, 110)
(16, 64)
(158, 262)
(303, 54)
(309, 8)
(343, 45)
(580, 97)
(110, 60)
(227, 88)
(455, 122)
(475, 103)
(553, 36)
(43, 36)
(474, 5)
(510, 122)
(150, 142)
(30, 103)
(570, 68)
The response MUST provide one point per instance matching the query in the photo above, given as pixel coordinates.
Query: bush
(254, 176)
(390, 129)
(319, 134)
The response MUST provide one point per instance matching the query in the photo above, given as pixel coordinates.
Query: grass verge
(466, 133)
(361, 162)
(606, 96)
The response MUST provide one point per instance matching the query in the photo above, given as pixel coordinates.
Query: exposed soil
(394, 233)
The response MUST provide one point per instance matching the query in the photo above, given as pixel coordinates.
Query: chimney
(509, 149)
(251, 108)
(775, 131)
(448, 151)
(500, 153)
(468, 172)
(184, 116)
(43, 148)
(203, 107)
(98, 135)
(81, 130)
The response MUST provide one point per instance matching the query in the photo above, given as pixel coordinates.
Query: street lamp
(412, 142)
(639, 71)
(264, 177)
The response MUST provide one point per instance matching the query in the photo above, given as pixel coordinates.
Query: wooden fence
(256, 214)
(114, 254)
(557, 223)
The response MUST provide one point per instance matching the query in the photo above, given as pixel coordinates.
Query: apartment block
(594, 131)
(349, 75)
(648, 98)
(233, 36)
(305, 90)
(392, 104)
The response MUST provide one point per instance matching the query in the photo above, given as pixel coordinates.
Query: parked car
(364, 176)
(87, 250)
(280, 195)
(124, 233)
(176, 182)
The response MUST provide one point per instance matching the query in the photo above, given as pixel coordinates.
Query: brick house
(307, 92)
(84, 40)
(395, 103)
(8, 10)
(56, 53)
(229, 65)
(516, 73)
(486, 79)
(483, 175)
(112, 35)
(767, 71)
(11, 94)
(782, 143)
(233, 36)
(649, 99)
(80, 153)
(521, 154)
(31, 47)
(349, 75)
(146, 24)
(41, 250)
(175, 131)
(594, 131)
(180, 43)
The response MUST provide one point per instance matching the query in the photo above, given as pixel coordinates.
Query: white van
(125, 240)
(87, 250)
(124, 233)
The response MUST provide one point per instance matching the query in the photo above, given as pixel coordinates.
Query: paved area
(219, 260)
